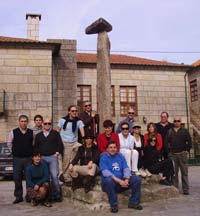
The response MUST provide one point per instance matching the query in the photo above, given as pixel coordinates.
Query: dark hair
(111, 142)
(23, 116)
(69, 108)
(36, 153)
(38, 116)
(154, 126)
(107, 123)
(125, 123)
(151, 136)
(165, 113)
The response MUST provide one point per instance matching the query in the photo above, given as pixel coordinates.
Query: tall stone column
(101, 27)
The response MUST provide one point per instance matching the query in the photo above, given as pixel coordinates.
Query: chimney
(33, 26)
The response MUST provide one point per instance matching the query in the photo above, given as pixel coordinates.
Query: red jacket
(159, 140)
(103, 140)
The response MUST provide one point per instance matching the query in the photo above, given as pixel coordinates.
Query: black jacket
(49, 145)
(178, 141)
(84, 155)
(151, 156)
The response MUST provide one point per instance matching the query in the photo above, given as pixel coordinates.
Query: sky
(138, 25)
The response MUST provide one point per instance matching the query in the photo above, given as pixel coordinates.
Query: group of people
(75, 153)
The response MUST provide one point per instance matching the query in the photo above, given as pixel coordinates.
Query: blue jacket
(114, 166)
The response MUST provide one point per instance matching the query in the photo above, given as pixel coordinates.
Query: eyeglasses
(153, 140)
(47, 123)
(88, 105)
(126, 128)
(131, 113)
(74, 111)
(177, 121)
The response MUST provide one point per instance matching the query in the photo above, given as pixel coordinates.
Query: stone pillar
(33, 21)
(101, 27)
(64, 78)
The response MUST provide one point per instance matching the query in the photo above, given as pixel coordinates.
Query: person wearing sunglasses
(49, 144)
(153, 165)
(127, 148)
(152, 130)
(90, 119)
(179, 144)
(129, 119)
(68, 127)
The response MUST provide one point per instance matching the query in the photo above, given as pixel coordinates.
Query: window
(128, 99)
(83, 94)
(193, 90)
(113, 101)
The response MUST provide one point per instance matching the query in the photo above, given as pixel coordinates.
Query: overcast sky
(138, 25)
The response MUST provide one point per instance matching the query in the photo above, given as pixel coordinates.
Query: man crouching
(116, 177)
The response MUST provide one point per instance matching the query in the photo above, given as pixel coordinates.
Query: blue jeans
(112, 188)
(52, 162)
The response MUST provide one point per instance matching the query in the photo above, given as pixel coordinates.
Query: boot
(88, 183)
(77, 183)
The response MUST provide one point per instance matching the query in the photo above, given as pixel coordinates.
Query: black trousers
(165, 167)
(19, 168)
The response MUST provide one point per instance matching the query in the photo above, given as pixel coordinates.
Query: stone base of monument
(96, 199)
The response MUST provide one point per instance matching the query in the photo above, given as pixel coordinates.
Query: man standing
(38, 120)
(116, 177)
(68, 127)
(129, 120)
(49, 144)
(20, 140)
(162, 128)
(90, 119)
(179, 143)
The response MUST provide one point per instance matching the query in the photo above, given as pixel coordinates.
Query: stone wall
(26, 78)
(157, 90)
(64, 78)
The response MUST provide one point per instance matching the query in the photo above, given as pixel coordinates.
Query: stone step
(97, 199)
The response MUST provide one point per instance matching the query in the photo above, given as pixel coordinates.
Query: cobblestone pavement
(183, 205)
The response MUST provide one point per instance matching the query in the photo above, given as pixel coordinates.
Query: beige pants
(70, 150)
(83, 170)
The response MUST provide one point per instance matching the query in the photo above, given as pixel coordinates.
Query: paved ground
(183, 206)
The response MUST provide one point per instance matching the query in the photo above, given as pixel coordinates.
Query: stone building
(36, 77)
(147, 85)
(45, 77)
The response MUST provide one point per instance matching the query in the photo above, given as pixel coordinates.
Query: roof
(196, 63)
(20, 40)
(124, 59)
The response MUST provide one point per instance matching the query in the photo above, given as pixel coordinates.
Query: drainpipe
(186, 100)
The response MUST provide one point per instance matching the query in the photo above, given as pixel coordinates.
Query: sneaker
(47, 204)
(135, 206)
(148, 173)
(137, 173)
(114, 209)
(142, 173)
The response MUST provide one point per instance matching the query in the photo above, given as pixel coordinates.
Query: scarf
(74, 122)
